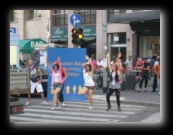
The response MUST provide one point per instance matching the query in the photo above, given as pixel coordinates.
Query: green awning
(27, 46)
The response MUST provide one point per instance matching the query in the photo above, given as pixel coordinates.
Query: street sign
(75, 19)
(12, 30)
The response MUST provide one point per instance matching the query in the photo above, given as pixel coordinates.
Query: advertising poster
(72, 60)
(43, 56)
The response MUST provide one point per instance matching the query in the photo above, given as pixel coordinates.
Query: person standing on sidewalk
(35, 82)
(145, 74)
(89, 85)
(129, 64)
(154, 63)
(157, 71)
(57, 82)
(139, 67)
(114, 86)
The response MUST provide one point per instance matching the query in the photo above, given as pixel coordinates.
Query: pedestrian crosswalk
(76, 111)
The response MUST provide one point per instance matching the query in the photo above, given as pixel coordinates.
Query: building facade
(130, 32)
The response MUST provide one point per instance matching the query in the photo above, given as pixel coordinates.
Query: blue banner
(72, 60)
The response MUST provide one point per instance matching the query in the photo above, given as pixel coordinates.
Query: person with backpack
(114, 86)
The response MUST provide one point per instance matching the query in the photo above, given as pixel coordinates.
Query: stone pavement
(133, 96)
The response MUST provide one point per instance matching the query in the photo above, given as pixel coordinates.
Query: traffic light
(77, 36)
(74, 36)
(80, 33)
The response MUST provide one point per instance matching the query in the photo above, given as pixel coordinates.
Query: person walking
(89, 85)
(114, 86)
(57, 82)
(145, 74)
(35, 82)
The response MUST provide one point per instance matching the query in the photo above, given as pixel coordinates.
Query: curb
(141, 103)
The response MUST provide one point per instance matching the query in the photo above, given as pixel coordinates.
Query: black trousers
(155, 82)
(144, 77)
(61, 96)
(110, 93)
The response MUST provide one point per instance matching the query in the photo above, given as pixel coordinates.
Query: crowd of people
(59, 75)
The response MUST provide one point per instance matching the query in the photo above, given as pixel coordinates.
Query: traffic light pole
(104, 49)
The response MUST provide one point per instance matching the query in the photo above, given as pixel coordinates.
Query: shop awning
(27, 46)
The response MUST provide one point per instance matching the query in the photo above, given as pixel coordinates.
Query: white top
(88, 79)
(56, 77)
(113, 76)
(100, 63)
(129, 63)
(155, 63)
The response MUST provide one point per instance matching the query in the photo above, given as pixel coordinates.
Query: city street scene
(83, 66)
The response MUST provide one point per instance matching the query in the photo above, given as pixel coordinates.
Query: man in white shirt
(100, 63)
(129, 63)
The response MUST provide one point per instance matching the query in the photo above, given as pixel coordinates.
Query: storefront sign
(59, 33)
(89, 31)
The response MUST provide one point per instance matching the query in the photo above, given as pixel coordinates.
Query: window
(13, 15)
(88, 16)
(34, 14)
(60, 18)
(115, 12)
(118, 38)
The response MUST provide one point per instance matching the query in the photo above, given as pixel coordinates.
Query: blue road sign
(75, 19)
(12, 30)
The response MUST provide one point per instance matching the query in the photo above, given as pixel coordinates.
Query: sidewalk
(133, 97)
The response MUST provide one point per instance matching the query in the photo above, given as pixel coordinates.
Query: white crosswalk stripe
(76, 111)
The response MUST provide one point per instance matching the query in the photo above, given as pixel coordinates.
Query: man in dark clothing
(145, 73)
